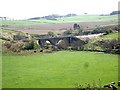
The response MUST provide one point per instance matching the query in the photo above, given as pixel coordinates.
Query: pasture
(63, 69)
(88, 18)
(80, 18)
(44, 26)
(19, 23)
(112, 36)
(57, 28)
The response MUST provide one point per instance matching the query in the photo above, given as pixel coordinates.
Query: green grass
(81, 18)
(93, 45)
(7, 31)
(2, 40)
(112, 36)
(19, 22)
(89, 18)
(0, 67)
(59, 69)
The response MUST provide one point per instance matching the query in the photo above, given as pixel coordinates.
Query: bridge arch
(62, 44)
(47, 42)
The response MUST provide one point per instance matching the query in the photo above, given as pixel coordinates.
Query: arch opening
(61, 44)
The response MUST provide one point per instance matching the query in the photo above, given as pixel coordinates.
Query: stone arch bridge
(69, 40)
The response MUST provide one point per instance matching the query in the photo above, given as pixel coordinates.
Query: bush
(106, 45)
(67, 32)
(17, 46)
(28, 45)
(111, 46)
(52, 34)
(36, 46)
(7, 44)
(14, 46)
(19, 36)
(102, 30)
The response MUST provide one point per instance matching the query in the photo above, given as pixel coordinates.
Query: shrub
(14, 46)
(19, 36)
(52, 34)
(36, 46)
(28, 45)
(67, 32)
(106, 45)
(17, 46)
(105, 29)
(7, 44)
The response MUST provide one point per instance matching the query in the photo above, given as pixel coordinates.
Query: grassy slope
(7, 31)
(89, 18)
(19, 23)
(82, 18)
(91, 45)
(59, 69)
(111, 36)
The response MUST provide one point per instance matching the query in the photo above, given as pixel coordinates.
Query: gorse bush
(28, 45)
(14, 46)
(102, 30)
(105, 29)
(105, 45)
(19, 37)
(110, 46)
(7, 44)
(17, 46)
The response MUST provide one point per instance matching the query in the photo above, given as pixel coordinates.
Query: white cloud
(31, 8)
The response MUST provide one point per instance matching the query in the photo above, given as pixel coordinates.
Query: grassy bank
(107, 43)
(59, 69)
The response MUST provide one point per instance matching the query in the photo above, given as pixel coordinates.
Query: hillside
(107, 43)
(81, 18)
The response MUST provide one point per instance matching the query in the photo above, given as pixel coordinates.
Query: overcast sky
(23, 9)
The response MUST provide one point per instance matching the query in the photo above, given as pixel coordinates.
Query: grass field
(0, 67)
(19, 23)
(7, 31)
(59, 69)
(81, 18)
(89, 18)
(112, 36)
